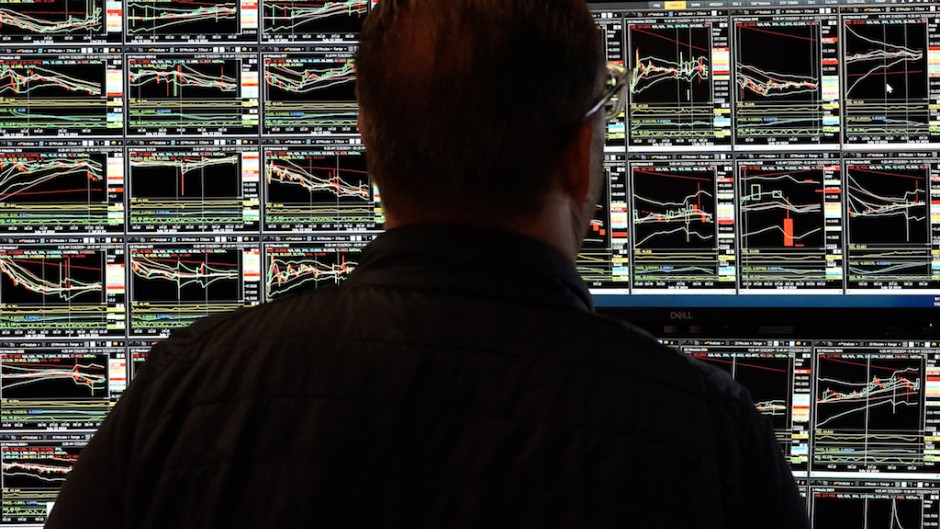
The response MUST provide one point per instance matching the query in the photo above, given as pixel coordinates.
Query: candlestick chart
(300, 18)
(54, 376)
(189, 190)
(888, 225)
(869, 410)
(190, 94)
(36, 466)
(53, 191)
(782, 224)
(671, 94)
(782, 209)
(317, 188)
(53, 19)
(153, 18)
(42, 96)
(310, 93)
(886, 88)
(778, 74)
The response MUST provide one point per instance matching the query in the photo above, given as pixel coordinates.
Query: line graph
(778, 74)
(290, 269)
(191, 190)
(676, 216)
(37, 467)
(673, 209)
(310, 92)
(58, 190)
(54, 376)
(183, 79)
(869, 410)
(886, 78)
(56, 18)
(201, 17)
(192, 93)
(308, 17)
(25, 179)
(651, 71)
(193, 278)
(172, 286)
(38, 80)
(47, 278)
(319, 180)
(278, 77)
(671, 82)
(888, 226)
(53, 414)
(887, 206)
(71, 289)
(28, 506)
(49, 95)
(317, 188)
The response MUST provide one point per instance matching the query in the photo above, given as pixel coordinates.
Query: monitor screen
(772, 154)
(166, 160)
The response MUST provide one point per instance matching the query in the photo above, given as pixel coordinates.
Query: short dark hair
(469, 103)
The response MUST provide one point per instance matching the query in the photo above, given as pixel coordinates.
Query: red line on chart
(898, 175)
(862, 365)
(778, 33)
(740, 364)
(58, 192)
(50, 262)
(670, 175)
(686, 44)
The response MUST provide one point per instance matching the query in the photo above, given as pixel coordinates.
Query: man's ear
(576, 163)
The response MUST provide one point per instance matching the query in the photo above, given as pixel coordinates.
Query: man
(459, 377)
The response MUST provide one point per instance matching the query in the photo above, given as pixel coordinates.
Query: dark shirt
(459, 378)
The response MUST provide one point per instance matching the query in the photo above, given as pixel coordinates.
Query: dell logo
(681, 315)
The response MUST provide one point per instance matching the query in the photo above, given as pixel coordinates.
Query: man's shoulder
(240, 328)
(301, 327)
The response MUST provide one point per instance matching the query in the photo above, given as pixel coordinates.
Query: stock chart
(679, 83)
(162, 161)
(306, 20)
(785, 74)
(790, 226)
(886, 79)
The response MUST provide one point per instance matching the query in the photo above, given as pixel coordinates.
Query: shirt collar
(472, 260)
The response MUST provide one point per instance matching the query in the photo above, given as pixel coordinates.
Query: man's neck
(554, 226)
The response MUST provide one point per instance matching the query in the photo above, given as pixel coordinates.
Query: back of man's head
(467, 104)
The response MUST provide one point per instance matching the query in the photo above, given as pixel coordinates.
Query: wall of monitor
(161, 161)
